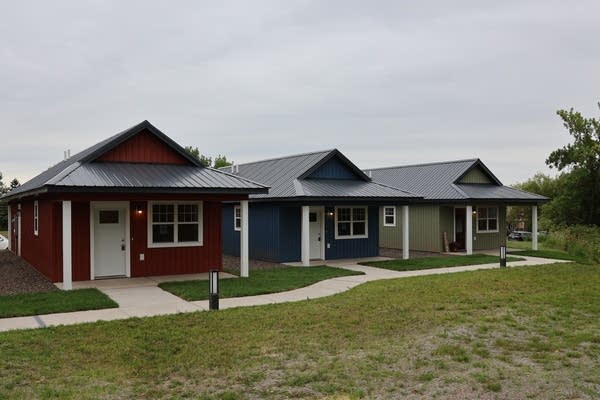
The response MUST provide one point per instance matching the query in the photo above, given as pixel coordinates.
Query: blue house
(320, 206)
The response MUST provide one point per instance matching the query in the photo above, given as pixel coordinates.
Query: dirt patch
(17, 276)
(397, 253)
(231, 264)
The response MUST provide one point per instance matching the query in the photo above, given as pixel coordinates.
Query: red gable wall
(143, 148)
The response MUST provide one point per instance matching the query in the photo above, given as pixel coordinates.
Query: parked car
(3, 243)
(519, 235)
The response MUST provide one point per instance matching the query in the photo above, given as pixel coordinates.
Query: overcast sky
(387, 83)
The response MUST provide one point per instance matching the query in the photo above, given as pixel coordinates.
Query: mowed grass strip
(437, 262)
(552, 254)
(58, 301)
(526, 332)
(260, 282)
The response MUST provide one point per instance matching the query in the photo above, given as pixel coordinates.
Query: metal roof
(288, 178)
(440, 181)
(80, 171)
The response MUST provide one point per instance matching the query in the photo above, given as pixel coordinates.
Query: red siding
(80, 225)
(39, 250)
(176, 260)
(144, 148)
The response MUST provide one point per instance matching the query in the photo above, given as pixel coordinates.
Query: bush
(578, 240)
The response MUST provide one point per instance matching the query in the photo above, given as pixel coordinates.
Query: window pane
(238, 223)
(108, 216)
(238, 212)
(343, 214)
(344, 229)
(187, 233)
(389, 220)
(482, 212)
(492, 212)
(163, 233)
(482, 224)
(312, 217)
(492, 224)
(163, 212)
(187, 213)
(358, 214)
(389, 211)
(359, 228)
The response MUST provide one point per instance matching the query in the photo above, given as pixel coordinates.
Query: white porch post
(405, 233)
(244, 257)
(9, 228)
(305, 234)
(534, 227)
(66, 244)
(469, 230)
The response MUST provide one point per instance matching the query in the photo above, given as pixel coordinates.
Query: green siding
(424, 228)
(476, 175)
(446, 224)
(484, 241)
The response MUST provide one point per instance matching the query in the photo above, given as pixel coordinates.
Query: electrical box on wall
(328, 245)
(142, 257)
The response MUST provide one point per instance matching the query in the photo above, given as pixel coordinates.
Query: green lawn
(53, 302)
(260, 282)
(526, 332)
(4, 233)
(437, 262)
(555, 254)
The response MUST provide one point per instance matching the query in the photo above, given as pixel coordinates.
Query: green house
(463, 207)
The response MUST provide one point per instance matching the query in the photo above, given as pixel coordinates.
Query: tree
(3, 205)
(220, 160)
(581, 162)
(14, 183)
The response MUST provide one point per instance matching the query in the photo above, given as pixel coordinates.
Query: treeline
(4, 188)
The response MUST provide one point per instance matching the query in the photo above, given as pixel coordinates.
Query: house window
(175, 224)
(487, 219)
(36, 218)
(237, 218)
(389, 216)
(350, 222)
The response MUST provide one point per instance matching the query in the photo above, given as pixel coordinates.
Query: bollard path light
(503, 256)
(213, 289)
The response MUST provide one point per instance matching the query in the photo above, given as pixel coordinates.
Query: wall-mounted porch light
(138, 210)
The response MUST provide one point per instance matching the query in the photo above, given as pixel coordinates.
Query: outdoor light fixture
(503, 256)
(213, 289)
(138, 209)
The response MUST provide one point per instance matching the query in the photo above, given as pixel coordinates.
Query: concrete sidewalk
(146, 301)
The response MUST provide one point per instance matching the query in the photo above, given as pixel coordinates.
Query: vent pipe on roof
(237, 169)
(67, 153)
(370, 173)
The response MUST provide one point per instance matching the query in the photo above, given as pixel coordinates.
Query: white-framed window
(487, 219)
(36, 218)
(351, 222)
(237, 218)
(174, 223)
(389, 216)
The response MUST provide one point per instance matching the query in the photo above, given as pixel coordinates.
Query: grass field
(437, 262)
(53, 302)
(4, 233)
(260, 282)
(526, 332)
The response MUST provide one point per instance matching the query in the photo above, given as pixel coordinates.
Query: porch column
(305, 234)
(66, 244)
(405, 233)
(9, 228)
(534, 227)
(244, 258)
(469, 230)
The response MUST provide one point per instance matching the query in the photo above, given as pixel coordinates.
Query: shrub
(578, 240)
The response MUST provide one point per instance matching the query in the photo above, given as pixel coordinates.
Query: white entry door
(315, 218)
(109, 242)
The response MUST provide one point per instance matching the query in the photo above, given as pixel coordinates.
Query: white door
(316, 241)
(109, 242)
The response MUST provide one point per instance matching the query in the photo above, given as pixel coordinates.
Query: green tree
(581, 162)
(3, 205)
(221, 161)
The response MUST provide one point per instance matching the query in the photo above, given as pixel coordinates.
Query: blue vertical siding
(333, 169)
(290, 233)
(351, 248)
(231, 237)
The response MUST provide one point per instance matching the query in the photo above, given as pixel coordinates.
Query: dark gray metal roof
(286, 178)
(439, 182)
(80, 171)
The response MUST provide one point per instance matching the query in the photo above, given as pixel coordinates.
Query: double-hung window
(175, 224)
(351, 222)
(389, 216)
(237, 218)
(36, 218)
(487, 219)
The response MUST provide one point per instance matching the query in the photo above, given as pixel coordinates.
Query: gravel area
(231, 264)
(17, 276)
(396, 253)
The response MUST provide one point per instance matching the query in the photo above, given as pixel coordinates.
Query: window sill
(351, 237)
(169, 245)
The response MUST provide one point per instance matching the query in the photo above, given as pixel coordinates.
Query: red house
(135, 204)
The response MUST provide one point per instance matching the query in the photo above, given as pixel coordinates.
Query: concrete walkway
(149, 300)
